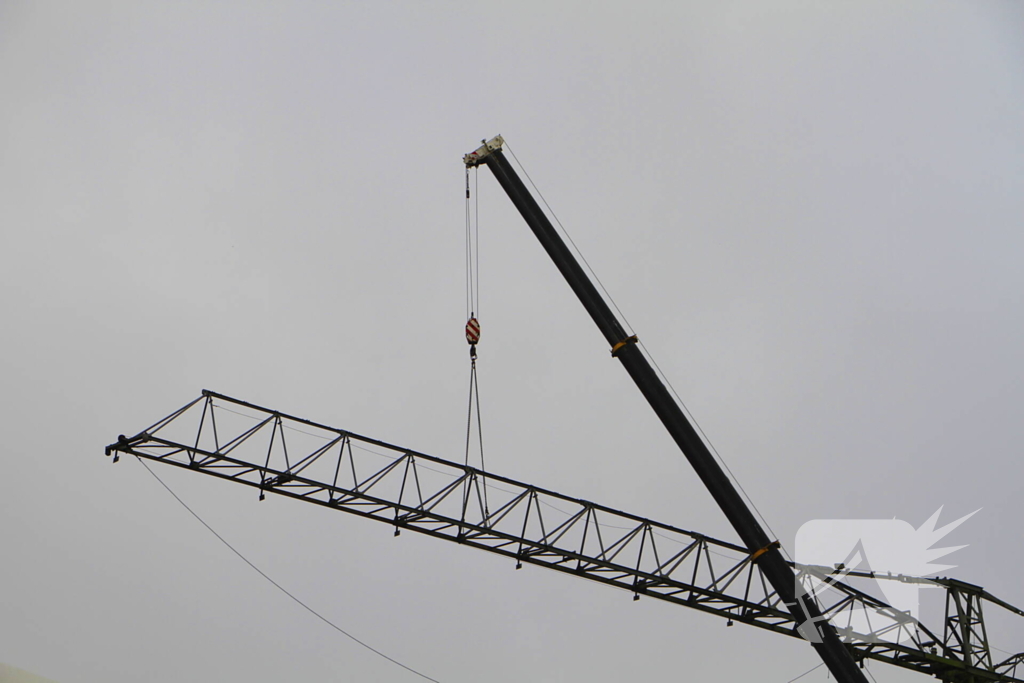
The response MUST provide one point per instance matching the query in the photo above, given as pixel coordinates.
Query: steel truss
(289, 456)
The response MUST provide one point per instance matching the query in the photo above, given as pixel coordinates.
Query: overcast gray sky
(810, 213)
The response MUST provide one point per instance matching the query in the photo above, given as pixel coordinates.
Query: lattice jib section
(275, 453)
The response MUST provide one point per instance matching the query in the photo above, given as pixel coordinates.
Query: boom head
(475, 158)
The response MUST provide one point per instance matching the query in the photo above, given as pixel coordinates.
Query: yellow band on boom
(627, 340)
(758, 553)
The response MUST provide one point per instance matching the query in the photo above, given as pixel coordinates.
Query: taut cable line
(473, 328)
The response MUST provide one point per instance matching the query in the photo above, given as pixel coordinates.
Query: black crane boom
(822, 636)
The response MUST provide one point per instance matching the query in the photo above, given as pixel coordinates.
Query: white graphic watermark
(889, 552)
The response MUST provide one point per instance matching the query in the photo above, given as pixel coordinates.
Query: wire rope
(815, 668)
(469, 253)
(279, 586)
(714, 450)
(472, 246)
(472, 311)
(474, 402)
(476, 238)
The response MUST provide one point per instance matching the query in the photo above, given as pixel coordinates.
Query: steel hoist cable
(472, 251)
(473, 325)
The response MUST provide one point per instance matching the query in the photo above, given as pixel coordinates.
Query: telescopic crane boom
(764, 550)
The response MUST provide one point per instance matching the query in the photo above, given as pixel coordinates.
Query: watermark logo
(889, 552)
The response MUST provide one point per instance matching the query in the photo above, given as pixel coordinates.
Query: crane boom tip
(476, 157)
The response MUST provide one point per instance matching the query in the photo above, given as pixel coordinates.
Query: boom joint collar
(622, 344)
(754, 556)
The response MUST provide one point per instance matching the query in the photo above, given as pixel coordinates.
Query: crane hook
(472, 335)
